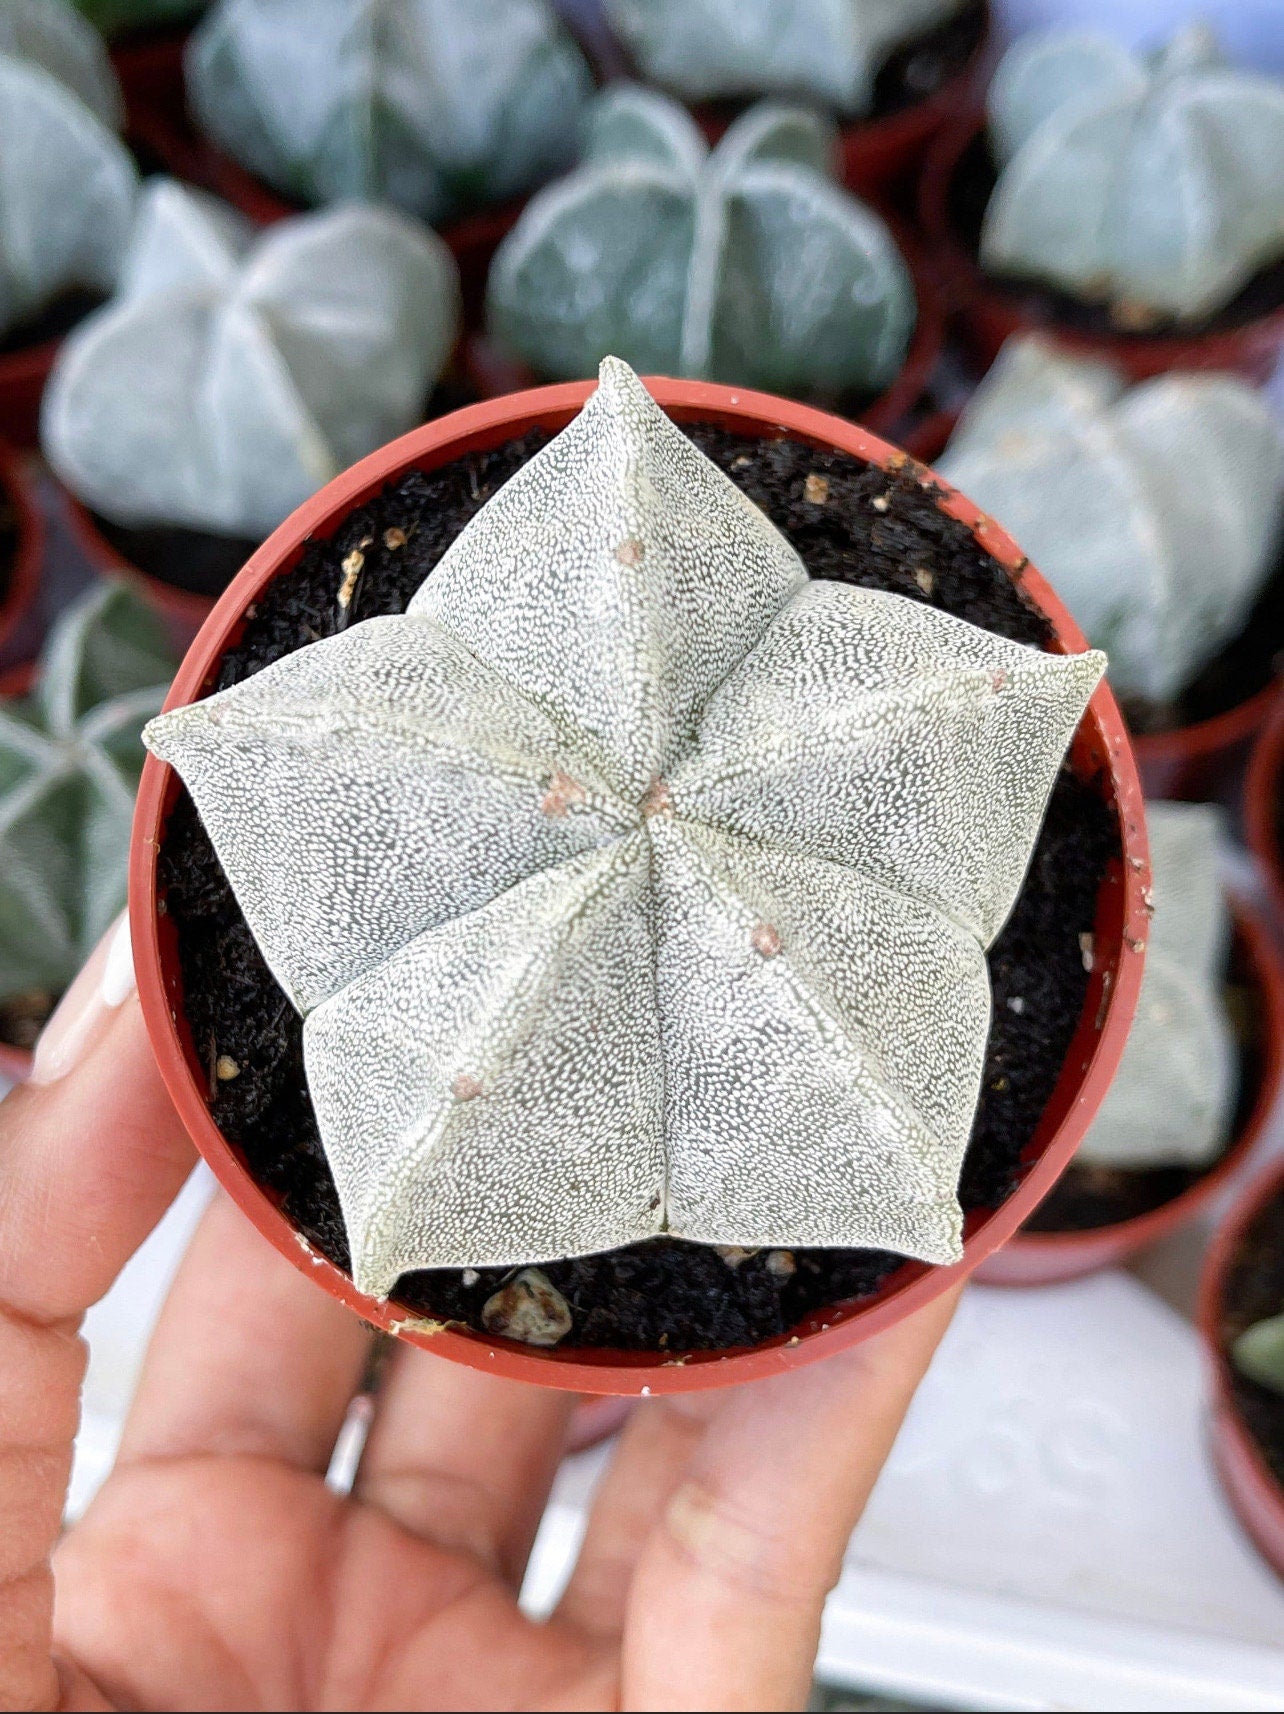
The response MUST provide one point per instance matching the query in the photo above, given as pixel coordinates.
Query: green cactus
(70, 758)
(745, 264)
(114, 16)
(1258, 1353)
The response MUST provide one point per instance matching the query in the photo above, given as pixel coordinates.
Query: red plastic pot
(492, 375)
(15, 1062)
(1249, 1482)
(1264, 805)
(149, 65)
(1193, 764)
(1043, 1258)
(29, 555)
(990, 313)
(1100, 752)
(182, 611)
(23, 374)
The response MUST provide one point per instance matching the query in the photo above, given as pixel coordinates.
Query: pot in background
(15, 1062)
(1045, 1258)
(182, 611)
(1246, 1477)
(1100, 751)
(1264, 805)
(29, 551)
(990, 312)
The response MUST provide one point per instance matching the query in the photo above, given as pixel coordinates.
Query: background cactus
(435, 105)
(1171, 1101)
(1156, 184)
(632, 881)
(70, 757)
(1258, 1353)
(828, 50)
(69, 182)
(267, 363)
(114, 16)
(1155, 512)
(747, 265)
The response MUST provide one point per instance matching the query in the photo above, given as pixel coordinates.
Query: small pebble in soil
(816, 489)
(226, 1068)
(529, 1309)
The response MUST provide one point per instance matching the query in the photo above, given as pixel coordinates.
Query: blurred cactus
(1156, 185)
(70, 758)
(1258, 1354)
(1154, 512)
(236, 373)
(1171, 1100)
(827, 50)
(435, 105)
(747, 265)
(69, 182)
(114, 16)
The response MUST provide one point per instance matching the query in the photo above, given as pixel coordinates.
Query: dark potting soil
(662, 1294)
(969, 196)
(56, 319)
(1254, 1291)
(1086, 1197)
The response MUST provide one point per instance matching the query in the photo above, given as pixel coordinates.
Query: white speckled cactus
(435, 105)
(70, 757)
(631, 882)
(1156, 185)
(69, 182)
(1171, 1100)
(268, 363)
(1155, 512)
(747, 265)
(828, 50)
(1258, 1353)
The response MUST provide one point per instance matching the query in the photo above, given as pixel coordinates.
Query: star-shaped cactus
(632, 882)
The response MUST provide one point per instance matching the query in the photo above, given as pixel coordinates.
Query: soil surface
(1254, 1291)
(1086, 1197)
(664, 1294)
(52, 322)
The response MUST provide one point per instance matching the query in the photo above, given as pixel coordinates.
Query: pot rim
(1076, 1246)
(29, 555)
(1255, 1481)
(968, 285)
(1090, 1063)
(1263, 791)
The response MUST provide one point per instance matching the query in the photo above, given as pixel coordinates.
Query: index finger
(90, 1158)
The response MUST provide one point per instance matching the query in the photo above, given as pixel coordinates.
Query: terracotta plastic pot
(1100, 752)
(1264, 805)
(1250, 1484)
(493, 375)
(182, 611)
(28, 561)
(1193, 764)
(1042, 1258)
(15, 1062)
(990, 313)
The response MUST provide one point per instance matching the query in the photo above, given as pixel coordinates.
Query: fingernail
(102, 986)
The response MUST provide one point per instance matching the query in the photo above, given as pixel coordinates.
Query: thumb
(91, 1155)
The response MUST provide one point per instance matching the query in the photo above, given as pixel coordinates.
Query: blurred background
(1039, 243)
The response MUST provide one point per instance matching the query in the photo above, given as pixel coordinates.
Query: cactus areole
(633, 883)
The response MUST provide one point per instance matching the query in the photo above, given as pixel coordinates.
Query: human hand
(216, 1570)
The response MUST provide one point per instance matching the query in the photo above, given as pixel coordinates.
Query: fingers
(464, 1458)
(90, 1157)
(725, 1606)
(249, 1357)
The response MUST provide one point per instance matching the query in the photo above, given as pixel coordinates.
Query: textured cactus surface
(1258, 1353)
(828, 50)
(267, 363)
(632, 882)
(747, 265)
(69, 182)
(435, 105)
(70, 757)
(1155, 512)
(113, 16)
(1171, 1100)
(1157, 185)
